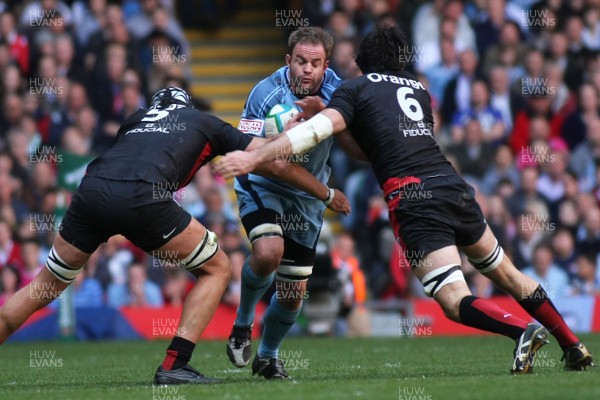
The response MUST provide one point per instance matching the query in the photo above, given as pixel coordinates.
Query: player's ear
(288, 59)
(326, 64)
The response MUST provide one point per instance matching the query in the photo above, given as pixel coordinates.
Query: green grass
(325, 368)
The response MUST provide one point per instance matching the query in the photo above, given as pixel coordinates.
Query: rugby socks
(253, 288)
(486, 315)
(277, 323)
(179, 353)
(540, 307)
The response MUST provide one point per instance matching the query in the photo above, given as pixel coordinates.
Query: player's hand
(235, 163)
(340, 203)
(310, 105)
(292, 122)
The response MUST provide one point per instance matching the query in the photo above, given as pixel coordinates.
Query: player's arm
(296, 140)
(350, 146)
(299, 177)
(311, 105)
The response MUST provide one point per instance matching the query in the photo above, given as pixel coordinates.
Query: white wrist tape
(310, 133)
(330, 197)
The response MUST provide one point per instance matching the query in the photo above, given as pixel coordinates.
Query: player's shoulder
(274, 82)
(331, 79)
(355, 83)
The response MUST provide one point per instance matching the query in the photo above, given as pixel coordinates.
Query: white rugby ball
(277, 117)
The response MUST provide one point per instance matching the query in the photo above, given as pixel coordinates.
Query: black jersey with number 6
(166, 145)
(390, 118)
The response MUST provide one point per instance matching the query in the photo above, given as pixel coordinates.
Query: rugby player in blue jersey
(282, 222)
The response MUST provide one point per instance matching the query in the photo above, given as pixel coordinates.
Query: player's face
(307, 66)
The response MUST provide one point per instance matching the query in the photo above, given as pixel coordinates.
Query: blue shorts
(300, 218)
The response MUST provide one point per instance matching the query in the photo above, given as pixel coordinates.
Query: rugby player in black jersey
(128, 190)
(433, 210)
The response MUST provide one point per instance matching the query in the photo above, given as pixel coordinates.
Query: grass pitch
(431, 368)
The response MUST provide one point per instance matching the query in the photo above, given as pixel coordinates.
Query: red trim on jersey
(206, 152)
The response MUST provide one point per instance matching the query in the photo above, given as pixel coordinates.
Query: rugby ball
(277, 117)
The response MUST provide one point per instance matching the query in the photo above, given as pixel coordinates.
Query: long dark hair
(382, 49)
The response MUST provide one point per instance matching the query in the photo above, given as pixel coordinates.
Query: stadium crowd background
(515, 88)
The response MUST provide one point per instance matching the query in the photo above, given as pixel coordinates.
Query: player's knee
(207, 250)
(435, 280)
(489, 262)
(267, 255)
(224, 270)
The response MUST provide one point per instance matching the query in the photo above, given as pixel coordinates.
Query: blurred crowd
(515, 90)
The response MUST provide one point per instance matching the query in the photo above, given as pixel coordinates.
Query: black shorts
(293, 252)
(102, 208)
(433, 213)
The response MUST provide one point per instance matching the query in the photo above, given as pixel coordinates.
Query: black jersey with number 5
(166, 145)
(390, 118)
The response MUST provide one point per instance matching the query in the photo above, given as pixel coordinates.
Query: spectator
(352, 279)
(143, 23)
(32, 261)
(88, 18)
(563, 246)
(588, 232)
(439, 75)
(19, 47)
(591, 31)
(499, 220)
(509, 51)
(575, 66)
(442, 19)
(10, 251)
(177, 286)
(11, 113)
(586, 281)
(503, 168)
(576, 126)
(10, 282)
(457, 96)
(568, 216)
(489, 118)
(37, 11)
(76, 100)
(551, 182)
(472, 153)
(530, 232)
(586, 155)
(500, 95)
(342, 59)
(554, 280)
(138, 291)
(216, 210)
(87, 291)
(526, 192)
(66, 58)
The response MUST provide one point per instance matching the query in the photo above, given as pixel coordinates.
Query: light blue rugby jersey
(265, 95)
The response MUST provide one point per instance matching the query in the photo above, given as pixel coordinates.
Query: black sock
(179, 353)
